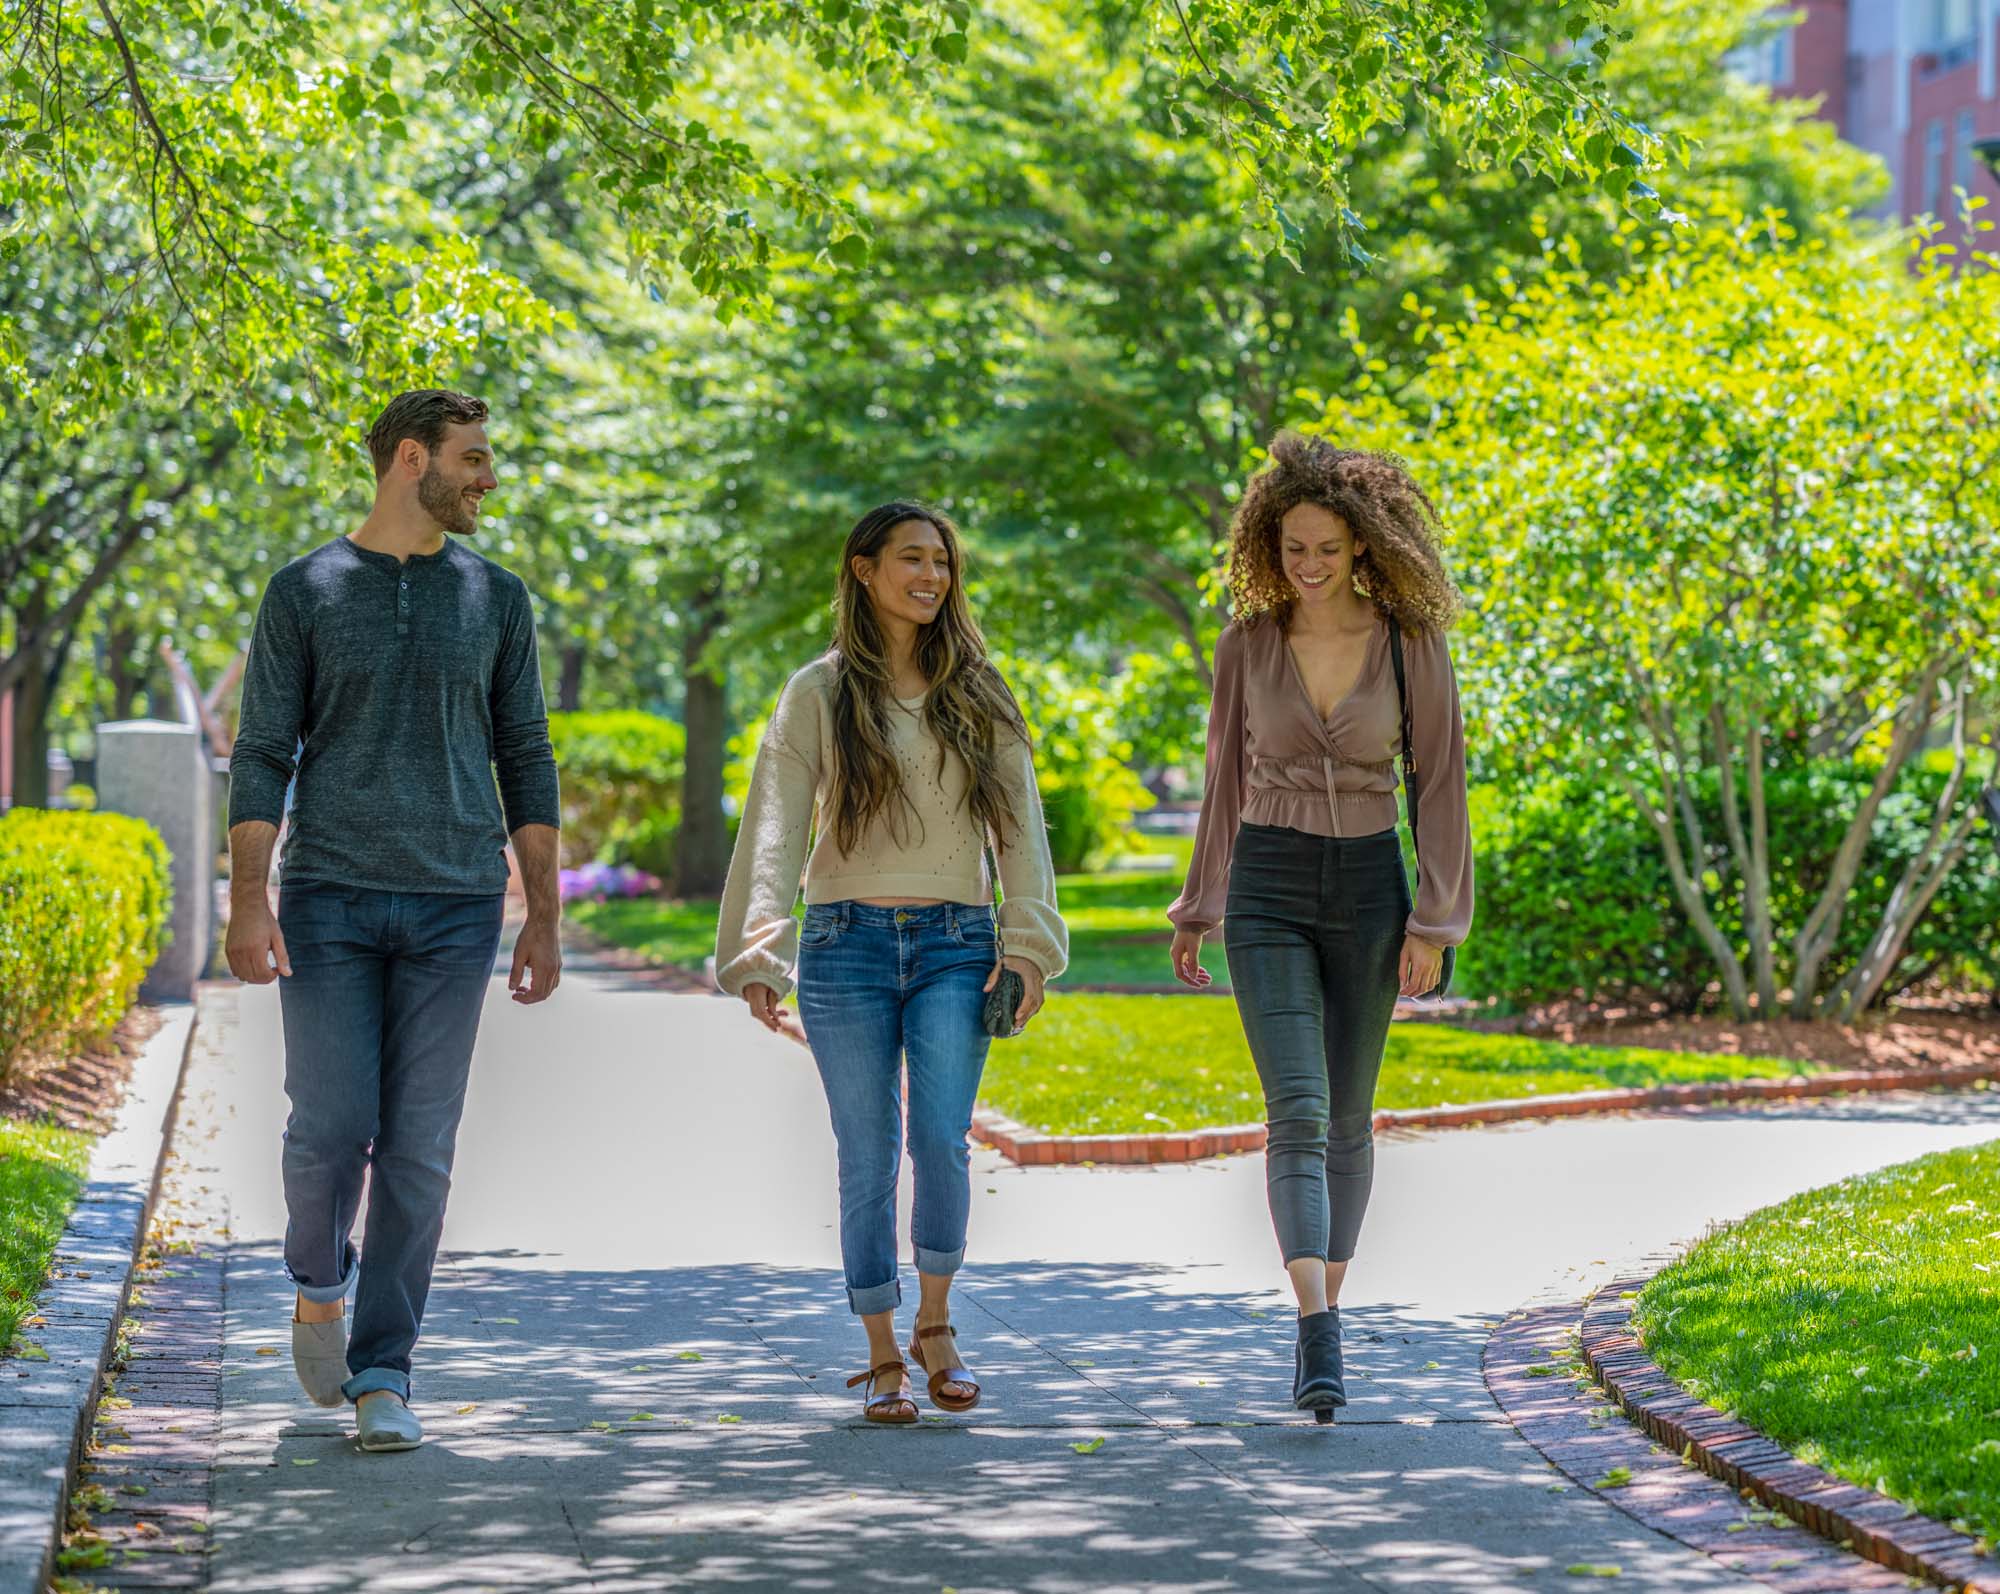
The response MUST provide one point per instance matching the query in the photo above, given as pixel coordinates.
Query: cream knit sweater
(937, 853)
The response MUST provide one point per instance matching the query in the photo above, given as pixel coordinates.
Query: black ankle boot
(1317, 1382)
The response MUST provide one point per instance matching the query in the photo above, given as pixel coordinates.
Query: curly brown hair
(1402, 568)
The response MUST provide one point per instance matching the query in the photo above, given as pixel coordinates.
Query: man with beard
(393, 672)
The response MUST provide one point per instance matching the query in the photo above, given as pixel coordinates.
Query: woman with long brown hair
(900, 760)
(1340, 598)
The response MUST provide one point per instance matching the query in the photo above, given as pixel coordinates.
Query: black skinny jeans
(1313, 928)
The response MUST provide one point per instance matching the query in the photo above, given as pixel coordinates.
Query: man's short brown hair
(423, 414)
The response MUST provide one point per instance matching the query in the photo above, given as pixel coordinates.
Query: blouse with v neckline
(1273, 761)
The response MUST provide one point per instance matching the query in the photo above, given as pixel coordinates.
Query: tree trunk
(1685, 867)
(1912, 894)
(701, 860)
(569, 683)
(31, 725)
(1817, 935)
(1745, 842)
(1687, 888)
(121, 645)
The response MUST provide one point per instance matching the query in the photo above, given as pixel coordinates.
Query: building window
(1766, 57)
(1965, 161)
(1933, 169)
(1954, 33)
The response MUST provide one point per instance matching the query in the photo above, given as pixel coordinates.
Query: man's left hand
(538, 956)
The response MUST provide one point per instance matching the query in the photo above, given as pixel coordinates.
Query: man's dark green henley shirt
(394, 691)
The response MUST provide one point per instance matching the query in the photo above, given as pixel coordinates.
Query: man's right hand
(255, 945)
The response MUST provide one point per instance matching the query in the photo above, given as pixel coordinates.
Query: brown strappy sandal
(944, 1375)
(896, 1408)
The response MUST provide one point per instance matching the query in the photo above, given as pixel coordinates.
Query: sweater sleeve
(522, 755)
(1443, 912)
(277, 685)
(1031, 926)
(756, 937)
(1199, 906)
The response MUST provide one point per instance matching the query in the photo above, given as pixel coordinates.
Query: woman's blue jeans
(381, 1012)
(878, 986)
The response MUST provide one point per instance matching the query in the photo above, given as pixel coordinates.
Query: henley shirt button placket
(403, 606)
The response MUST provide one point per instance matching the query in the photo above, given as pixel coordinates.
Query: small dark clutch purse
(1002, 1003)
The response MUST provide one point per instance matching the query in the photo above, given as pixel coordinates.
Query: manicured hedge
(83, 914)
(621, 787)
(1574, 899)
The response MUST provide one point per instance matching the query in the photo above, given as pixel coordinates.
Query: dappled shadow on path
(690, 1428)
(1950, 1108)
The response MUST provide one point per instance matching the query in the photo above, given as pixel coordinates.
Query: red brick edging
(1873, 1525)
(1031, 1148)
(1531, 1371)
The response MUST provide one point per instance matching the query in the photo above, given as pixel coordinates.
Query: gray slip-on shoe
(319, 1357)
(386, 1422)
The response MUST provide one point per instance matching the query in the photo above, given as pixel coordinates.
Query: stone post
(158, 771)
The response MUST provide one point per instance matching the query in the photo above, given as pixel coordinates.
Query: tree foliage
(194, 117)
(1737, 512)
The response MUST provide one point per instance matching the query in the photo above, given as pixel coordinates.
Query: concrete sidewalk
(640, 1305)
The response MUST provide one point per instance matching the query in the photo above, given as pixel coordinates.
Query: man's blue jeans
(381, 1011)
(876, 986)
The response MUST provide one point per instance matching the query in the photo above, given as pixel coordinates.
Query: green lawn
(680, 933)
(41, 1170)
(1856, 1326)
(1117, 924)
(1096, 1064)
(1118, 930)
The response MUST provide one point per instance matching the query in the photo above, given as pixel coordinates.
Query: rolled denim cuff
(371, 1379)
(940, 1264)
(323, 1293)
(875, 1298)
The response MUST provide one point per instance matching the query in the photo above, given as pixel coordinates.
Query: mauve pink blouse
(1273, 761)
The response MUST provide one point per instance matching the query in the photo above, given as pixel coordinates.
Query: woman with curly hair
(905, 752)
(1339, 589)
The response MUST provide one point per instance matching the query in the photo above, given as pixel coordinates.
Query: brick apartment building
(1913, 81)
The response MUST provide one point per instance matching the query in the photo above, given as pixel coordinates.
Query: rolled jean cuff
(875, 1298)
(1317, 1254)
(323, 1293)
(939, 1264)
(371, 1379)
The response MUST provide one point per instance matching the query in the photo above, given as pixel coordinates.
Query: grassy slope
(1859, 1326)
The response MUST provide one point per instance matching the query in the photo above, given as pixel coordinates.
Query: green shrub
(1574, 899)
(83, 915)
(621, 787)
(1083, 761)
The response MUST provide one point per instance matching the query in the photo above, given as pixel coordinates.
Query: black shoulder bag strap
(1409, 761)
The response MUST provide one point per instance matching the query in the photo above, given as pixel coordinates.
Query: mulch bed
(1903, 1037)
(81, 1092)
